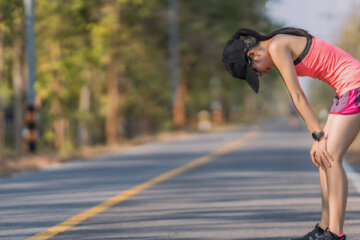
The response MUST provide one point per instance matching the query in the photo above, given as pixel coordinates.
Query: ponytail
(252, 38)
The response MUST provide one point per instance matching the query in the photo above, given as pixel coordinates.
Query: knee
(335, 154)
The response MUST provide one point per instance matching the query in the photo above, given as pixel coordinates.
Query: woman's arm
(281, 55)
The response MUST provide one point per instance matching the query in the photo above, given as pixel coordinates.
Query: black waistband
(306, 50)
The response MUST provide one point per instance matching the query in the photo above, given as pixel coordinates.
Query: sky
(324, 19)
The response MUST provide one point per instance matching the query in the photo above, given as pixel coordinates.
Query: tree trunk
(179, 116)
(59, 125)
(2, 105)
(113, 98)
(84, 107)
(18, 95)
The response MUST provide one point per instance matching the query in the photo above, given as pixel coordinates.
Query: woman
(294, 52)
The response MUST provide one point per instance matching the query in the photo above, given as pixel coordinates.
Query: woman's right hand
(319, 154)
(313, 155)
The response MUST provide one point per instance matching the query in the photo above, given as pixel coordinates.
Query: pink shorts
(348, 103)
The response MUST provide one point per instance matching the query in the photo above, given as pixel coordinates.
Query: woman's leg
(343, 130)
(323, 184)
(324, 200)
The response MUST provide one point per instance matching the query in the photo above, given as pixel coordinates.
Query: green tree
(102, 66)
(12, 81)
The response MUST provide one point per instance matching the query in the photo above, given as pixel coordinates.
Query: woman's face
(260, 60)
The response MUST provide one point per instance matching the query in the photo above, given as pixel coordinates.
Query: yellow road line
(74, 220)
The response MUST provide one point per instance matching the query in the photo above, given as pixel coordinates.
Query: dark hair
(252, 38)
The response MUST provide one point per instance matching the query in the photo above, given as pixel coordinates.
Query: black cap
(238, 64)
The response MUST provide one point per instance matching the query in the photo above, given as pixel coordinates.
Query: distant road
(252, 182)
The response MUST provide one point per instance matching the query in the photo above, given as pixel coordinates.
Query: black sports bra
(306, 50)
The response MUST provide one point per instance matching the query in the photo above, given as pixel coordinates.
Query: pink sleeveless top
(332, 65)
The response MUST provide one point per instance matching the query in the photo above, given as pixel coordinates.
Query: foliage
(78, 40)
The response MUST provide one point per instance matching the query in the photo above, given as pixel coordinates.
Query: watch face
(314, 135)
(317, 135)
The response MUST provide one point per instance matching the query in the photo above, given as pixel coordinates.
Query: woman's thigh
(327, 128)
(329, 120)
(341, 130)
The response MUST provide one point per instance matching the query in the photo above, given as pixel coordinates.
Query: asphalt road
(264, 186)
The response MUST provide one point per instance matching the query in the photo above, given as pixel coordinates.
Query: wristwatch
(317, 135)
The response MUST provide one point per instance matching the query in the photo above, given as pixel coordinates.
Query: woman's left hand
(319, 154)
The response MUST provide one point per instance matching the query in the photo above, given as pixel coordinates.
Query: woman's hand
(319, 154)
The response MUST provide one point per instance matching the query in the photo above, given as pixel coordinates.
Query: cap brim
(252, 78)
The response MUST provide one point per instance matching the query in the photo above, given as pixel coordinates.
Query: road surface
(253, 182)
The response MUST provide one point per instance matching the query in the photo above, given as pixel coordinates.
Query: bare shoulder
(293, 44)
(281, 41)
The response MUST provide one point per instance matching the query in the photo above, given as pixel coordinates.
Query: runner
(294, 52)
